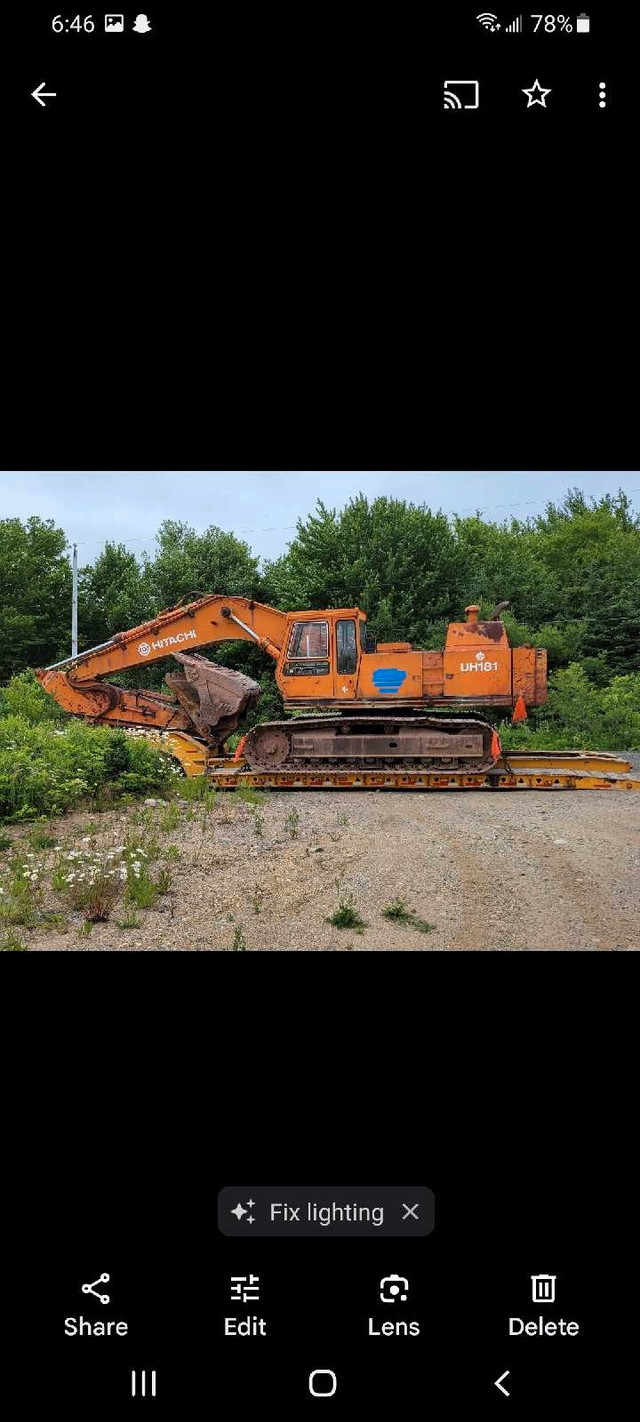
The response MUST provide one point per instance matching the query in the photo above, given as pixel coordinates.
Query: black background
(257, 240)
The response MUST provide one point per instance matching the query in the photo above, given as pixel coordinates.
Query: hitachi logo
(146, 647)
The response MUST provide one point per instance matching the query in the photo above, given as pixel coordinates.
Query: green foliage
(399, 912)
(111, 596)
(35, 595)
(398, 562)
(41, 838)
(257, 898)
(24, 696)
(46, 770)
(187, 562)
(580, 715)
(12, 943)
(169, 818)
(249, 795)
(291, 824)
(239, 944)
(347, 916)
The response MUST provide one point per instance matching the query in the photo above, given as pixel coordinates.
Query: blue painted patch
(388, 680)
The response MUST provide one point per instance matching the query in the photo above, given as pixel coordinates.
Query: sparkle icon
(240, 1212)
(536, 95)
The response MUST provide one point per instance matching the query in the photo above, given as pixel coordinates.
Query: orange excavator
(381, 705)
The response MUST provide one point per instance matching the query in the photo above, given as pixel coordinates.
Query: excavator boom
(210, 698)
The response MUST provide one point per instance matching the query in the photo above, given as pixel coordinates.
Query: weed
(41, 838)
(163, 882)
(398, 912)
(347, 916)
(197, 787)
(131, 921)
(85, 929)
(291, 824)
(258, 824)
(5, 841)
(94, 895)
(249, 795)
(141, 889)
(59, 878)
(341, 818)
(11, 943)
(20, 906)
(257, 898)
(170, 818)
(55, 920)
(172, 852)
(239, 943)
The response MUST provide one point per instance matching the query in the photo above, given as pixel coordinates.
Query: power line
(286, 527)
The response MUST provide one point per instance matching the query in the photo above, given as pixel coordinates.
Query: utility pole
(74, 604)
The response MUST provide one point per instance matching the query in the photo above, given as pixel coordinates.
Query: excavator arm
(210, 698)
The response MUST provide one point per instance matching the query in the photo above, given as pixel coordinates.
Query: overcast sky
(262, 508)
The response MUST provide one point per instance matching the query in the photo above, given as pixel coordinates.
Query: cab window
(309, 639)
(346, 650)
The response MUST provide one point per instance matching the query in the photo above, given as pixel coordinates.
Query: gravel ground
(490, 871)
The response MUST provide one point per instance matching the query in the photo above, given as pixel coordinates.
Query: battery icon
(584, 24)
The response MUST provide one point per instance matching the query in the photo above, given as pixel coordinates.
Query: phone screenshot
(319, 712)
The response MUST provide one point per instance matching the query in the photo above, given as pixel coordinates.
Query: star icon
(238, 1212)
(536, 95)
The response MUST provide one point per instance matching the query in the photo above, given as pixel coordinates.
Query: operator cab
(321, 655)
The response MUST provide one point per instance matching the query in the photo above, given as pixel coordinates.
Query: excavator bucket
(215, 697)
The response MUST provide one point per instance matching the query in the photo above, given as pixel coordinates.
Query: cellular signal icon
(516, 27)
(488, 21)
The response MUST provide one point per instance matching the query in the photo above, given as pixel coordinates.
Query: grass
(249, 795)
(95, 896)
(399, 912)
(172, 852)
(347, 916)
(55, 920)
(163, 881)
(169, 817)
(5, 841)
(131, 921)
(257, 898)
(20, 905)
(291, 824)
(11, 943)
(258, 824)
(239, 942)
(41, 838)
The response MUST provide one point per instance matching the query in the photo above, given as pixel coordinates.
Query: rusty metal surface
(215, 697)
(368, 743)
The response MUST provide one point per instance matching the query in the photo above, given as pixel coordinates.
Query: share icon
(91, 1288)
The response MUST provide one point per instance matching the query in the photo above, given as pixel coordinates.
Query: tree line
(571, 574)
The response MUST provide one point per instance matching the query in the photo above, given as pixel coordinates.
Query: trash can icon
(543, 1288)
(584, 24)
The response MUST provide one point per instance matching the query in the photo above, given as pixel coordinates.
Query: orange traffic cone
(519, 711)
(240, 749)
(496, 748)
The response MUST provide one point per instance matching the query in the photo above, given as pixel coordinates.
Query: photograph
(262, 712)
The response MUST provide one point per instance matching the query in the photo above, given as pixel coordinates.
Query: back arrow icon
(499, 1381)
(35, 94)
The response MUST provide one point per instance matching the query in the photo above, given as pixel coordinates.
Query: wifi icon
(488, 21)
